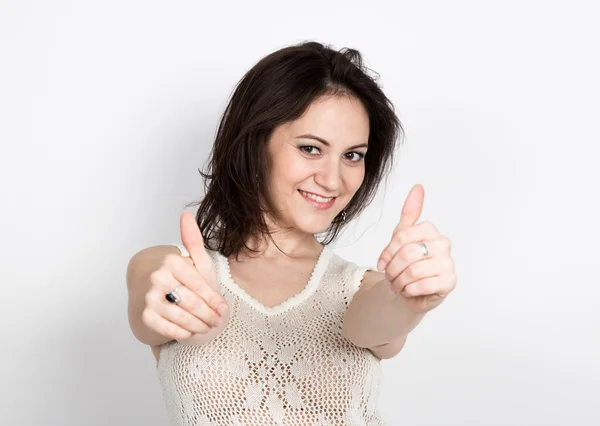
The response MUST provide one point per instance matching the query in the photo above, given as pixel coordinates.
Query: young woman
(253, 319)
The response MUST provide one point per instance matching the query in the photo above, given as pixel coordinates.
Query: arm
(389, 350)
(141, 265)
(377, 319)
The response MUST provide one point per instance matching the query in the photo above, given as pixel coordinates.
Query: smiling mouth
(315, 197)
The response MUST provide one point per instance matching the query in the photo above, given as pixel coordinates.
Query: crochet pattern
(285, 365)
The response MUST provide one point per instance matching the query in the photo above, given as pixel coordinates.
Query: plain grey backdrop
(107, 109)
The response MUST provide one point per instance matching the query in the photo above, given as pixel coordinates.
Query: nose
(329, 176)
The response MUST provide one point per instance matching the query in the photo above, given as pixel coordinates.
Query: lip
(319, 195)
(318, 205)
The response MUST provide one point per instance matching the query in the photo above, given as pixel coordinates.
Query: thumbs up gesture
(197, 307)
(417, 260)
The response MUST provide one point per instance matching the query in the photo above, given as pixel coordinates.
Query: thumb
(413, 207)
(192, 240)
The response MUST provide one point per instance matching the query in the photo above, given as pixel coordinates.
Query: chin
(315, 226)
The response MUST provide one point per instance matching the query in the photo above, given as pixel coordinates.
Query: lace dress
(285, 365)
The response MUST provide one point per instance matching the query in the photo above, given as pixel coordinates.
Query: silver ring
(424, 249)
(173, 297)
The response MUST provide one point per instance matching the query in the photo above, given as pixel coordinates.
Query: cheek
(291, 172)
(354, 179)
(287, 174)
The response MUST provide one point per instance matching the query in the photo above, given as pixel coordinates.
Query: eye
(354, 157)
(309, 150)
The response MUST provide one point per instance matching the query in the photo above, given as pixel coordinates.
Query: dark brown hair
(279, 89)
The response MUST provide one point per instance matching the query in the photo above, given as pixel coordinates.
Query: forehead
(340, 120)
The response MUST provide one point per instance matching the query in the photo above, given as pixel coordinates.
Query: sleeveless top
(285, 365)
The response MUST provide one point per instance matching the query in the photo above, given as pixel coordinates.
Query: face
(318, 163)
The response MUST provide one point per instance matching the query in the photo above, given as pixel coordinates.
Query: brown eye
(355, 157)
(309, 149)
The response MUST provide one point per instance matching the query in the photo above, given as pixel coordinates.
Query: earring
(343, 216)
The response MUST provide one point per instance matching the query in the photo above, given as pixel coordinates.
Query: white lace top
(285, 365)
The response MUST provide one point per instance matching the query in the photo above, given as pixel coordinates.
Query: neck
(285, 242)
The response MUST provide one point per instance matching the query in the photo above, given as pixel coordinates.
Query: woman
(254, 320)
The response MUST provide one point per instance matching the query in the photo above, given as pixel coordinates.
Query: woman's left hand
(421, 281)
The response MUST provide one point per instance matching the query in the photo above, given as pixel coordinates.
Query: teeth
(316, 197)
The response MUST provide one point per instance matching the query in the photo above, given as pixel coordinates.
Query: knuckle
(170, 331)
(214, 299)
(179, 317)
(400, 237)
(428, 224)
(212, 318)
(202, 328)
(174, 332)
(411, 290)
(171, 259)
(151, 299)
(398, 284)
(448, 242)
(185, 334)
(196, 282)
(157, 276)
(404, 252)
(206, 314)
(148, 318)
(148, 299)
(413, 270)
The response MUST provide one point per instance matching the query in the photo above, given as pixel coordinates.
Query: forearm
(377, 317)
(141, 265)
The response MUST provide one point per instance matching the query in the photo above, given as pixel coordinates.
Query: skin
(303, 163)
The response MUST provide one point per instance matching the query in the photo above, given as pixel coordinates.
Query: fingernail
(221, 308)
(380, 265)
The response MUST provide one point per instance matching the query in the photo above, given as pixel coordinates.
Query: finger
(421, 232)
(185, 273)
(408, 254)
(425, 287)
(182, 318)
(195, 305)
(191, 237)
(156, 301)
(163, 326)
(413, 206)
(416, 271)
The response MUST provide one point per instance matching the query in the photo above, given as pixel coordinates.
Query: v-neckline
(290, 302)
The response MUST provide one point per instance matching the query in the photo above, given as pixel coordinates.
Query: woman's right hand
(201, 306)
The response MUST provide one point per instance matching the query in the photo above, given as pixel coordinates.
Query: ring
(424, 249)
(173, 297)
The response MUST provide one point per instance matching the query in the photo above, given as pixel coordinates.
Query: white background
(108, 108)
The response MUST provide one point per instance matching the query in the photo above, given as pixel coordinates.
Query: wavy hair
(279, 89)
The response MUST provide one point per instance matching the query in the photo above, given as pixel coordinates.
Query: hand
(200, 300)
(422, 282)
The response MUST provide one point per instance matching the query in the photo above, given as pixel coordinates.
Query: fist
(417, 261)
(200, 307)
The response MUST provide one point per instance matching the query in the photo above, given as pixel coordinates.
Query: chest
(271, 282)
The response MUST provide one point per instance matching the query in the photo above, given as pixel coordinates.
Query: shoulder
(359, 275)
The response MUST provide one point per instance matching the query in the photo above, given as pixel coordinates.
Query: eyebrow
(324, 142)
